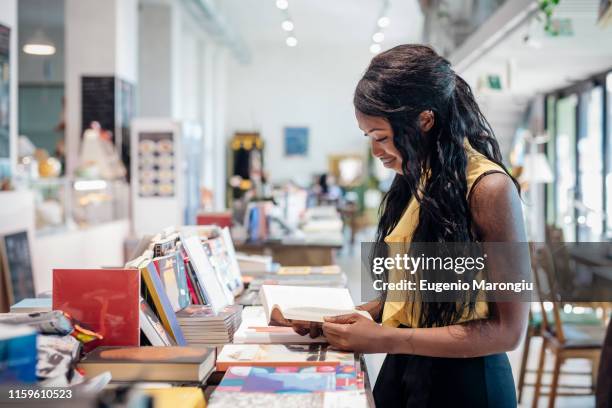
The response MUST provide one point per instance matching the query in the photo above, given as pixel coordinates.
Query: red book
(106, 301)
(220, 219)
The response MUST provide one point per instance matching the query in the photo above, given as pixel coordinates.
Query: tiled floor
(349, 260)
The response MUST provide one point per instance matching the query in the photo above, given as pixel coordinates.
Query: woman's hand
(354, 332)
(300, 327)
(374, 308)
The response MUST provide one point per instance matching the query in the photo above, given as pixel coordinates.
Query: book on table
(18, 354)
(169, 364)
(155, 295)
(171, 269)
(339, 399)
(105, 301)
(290, 379)
(254, 329)
(275, 355)
(217, 295)
(31, 305)
(203, 327)
(309, 270)
(307, 303)
(152, 327)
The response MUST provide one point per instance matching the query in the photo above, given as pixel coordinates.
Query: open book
(310, 304)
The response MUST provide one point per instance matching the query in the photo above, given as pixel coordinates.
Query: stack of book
(254, 329)
(276, 355)
(203, 327)
(161, 364)
(292, 381)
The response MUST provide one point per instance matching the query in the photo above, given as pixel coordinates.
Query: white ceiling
(561, 60)
(321, 22)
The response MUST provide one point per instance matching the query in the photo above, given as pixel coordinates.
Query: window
(609, 158)
(565, 165)
(589, 200)
(551, 191)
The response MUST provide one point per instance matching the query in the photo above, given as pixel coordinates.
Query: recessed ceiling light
(384, 21)
(291, 41)
(375, 48)
(287, 25)
(282, 4)
(378, 37)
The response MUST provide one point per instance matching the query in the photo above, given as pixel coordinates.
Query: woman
(451, 186)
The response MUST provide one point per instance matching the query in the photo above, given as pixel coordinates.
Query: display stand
(165, 173)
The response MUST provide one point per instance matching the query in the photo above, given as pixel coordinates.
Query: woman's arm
(497, 217)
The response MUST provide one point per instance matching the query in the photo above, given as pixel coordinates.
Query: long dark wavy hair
(398, 85)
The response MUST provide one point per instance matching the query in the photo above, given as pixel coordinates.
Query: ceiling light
(384, 22)
(39, 44)
(282, 4)
(287, 25)
(378, 37)
(291, 41)
(375, 48)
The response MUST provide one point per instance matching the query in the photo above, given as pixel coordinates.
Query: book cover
(152, 327)
(56, 356)
(206, 277)
(172, 275)
(106, 301)
(196, 296)
(17, 354)
(216, 259)
(162, 304)
(276, 355)
(177, 397)
(232, 259)
(290, 379)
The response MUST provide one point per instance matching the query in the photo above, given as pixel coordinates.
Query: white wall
(100, 40)
(298, 86)
(8, 17)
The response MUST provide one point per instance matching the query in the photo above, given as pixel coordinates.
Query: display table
(216, 377)
(294, 253)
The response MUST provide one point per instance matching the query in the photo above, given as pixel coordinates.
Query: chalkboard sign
(98, 102)
(17, 266)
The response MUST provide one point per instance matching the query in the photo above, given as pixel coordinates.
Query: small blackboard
(17, 266)
(98, 102)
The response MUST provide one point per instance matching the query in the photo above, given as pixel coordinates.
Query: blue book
(17, 354)
(31, 305)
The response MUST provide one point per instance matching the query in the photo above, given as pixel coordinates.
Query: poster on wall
(5, 101)
(296, 141)
(156, 164)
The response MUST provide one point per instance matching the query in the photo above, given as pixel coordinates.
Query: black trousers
(417, 381)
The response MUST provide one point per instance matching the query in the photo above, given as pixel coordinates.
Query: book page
(306, 303)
